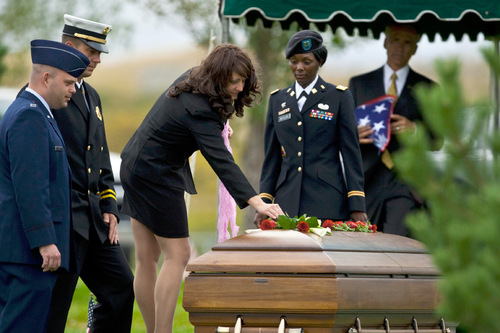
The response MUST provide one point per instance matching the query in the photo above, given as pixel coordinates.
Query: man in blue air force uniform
(35, 184)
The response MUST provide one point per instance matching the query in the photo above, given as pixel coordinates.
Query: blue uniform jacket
(35, 184)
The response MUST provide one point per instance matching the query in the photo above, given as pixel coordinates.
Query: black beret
(58, 55)
(304, 41)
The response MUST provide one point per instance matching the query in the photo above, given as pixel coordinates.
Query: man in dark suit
(101, 262)
(388, 199)
(35, 184)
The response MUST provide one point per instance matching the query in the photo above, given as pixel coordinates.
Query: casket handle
(414, 328)
(281, 327)
(237, 326)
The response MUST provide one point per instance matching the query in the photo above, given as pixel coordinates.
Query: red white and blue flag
(90, 315)
(377, 114)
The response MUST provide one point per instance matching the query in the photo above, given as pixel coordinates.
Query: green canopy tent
(455, 17)
(362, 17)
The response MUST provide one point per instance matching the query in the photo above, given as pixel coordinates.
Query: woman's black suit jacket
(172, 131)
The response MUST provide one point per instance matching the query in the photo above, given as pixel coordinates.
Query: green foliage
(198, 17)
(3, 53)
(461, 186)
(287, 222)
(77, 317)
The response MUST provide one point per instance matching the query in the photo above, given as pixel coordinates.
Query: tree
(462, 189)
(24, 20)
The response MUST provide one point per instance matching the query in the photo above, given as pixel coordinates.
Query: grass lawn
(77, 318)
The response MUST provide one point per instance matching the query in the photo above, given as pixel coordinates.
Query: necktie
(302, 99)
(386, 156)
(392, 88)
(85, 98)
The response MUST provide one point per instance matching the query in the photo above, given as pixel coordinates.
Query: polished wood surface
(319, 284)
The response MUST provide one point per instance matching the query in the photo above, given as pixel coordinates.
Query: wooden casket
(300, 282)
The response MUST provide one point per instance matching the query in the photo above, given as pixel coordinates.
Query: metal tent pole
(225, 29)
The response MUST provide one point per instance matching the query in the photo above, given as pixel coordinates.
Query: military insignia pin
(306, 44)
(314, 90)
(283, 111)
(323, 106)
(283, 105)
(98, 113)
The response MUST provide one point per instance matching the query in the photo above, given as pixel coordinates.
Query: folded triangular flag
(377, 114)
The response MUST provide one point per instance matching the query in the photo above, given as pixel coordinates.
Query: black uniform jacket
(92, 182)
(173, 129)
(302, 168)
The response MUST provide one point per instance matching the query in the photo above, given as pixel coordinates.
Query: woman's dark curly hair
(213, 75)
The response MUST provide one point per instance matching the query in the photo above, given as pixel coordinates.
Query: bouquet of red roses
(350, 226)
(312, 224)
(302, 223)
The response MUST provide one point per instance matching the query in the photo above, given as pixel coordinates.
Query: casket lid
(289, 251)
(291, 240)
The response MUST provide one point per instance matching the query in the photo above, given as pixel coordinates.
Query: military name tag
(58, 148)
(284, 117)
(321, 114)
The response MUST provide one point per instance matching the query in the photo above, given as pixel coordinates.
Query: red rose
(373, 228)
(363, 224)
(338, 223)
(352, 225)
(327, 224)
(267, 225)
(303, 226)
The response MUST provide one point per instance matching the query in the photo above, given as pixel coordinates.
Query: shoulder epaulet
(274, 91)
(341, 87)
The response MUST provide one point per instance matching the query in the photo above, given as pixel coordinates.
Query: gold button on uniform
(299, 123)
(89, 147)
(89, 170)
(299, 169)
(299, 154)
(102, 148)
(299, 138)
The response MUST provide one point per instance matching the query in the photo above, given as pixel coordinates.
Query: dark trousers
(25, 293)
(105, 271)
(388, 201)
